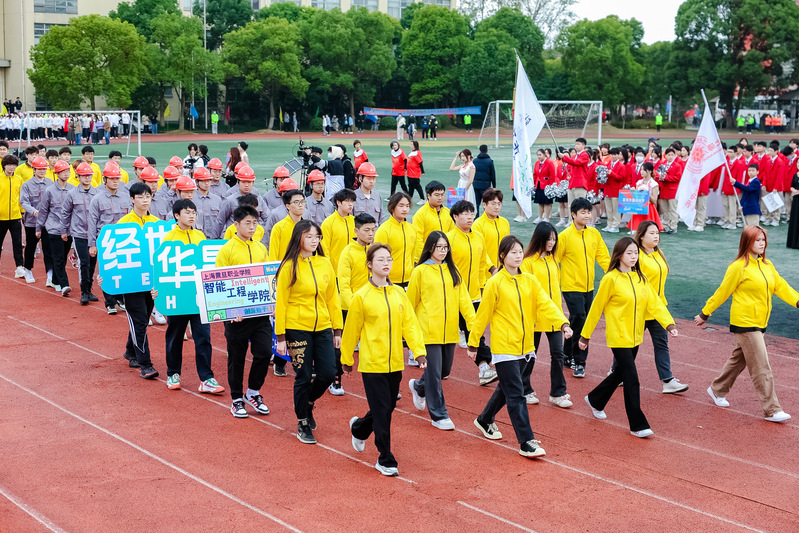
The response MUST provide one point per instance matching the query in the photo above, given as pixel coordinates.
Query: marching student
(308, 321)
(359, 156)
(491, 225)
(280, 212)
(139, 164)
(25, 169)
(398, 166)
(245, 185)
(650, 184)
(539, 261)
(185, 213)
(48, 225)
(273, 197)
(380, 318)
(367, 199)
(316, 205)
(10, 211)
(218, 185)
(400, 236)
(87, 155)
(669, 183)
(30, 196)
(432, 216)
(439, 297)
(207, 204)
(543, 175)
(75, 227)
(251, 200)
(750, 195)
(241, 333)
(752, 281)
(415, 165)
(339, 228)
(579, 246)
(166, 195)
(626, 297)
(578, 180)
(512, 301)
(279, 238)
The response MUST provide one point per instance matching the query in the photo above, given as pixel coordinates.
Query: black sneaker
(568, 363)
(579, 371)
(92, 297)
(257, 403)
(84, 299)
(531, 448)
(121, 306)
(238, 410)
(304, 433)
(280, 371)
(310, 419)
(111, 310)
(490, 431)
(148, 372)
(132, 362)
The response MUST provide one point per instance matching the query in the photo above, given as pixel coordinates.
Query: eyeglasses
(383, 260)
(298, 202)
(443, 248)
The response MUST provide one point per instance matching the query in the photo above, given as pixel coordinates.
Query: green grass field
(697, 260)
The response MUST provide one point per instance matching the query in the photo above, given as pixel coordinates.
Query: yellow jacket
(257, 236)
(576, 253)
(626, 299)
(438, 303)
(751, 287)
(469, 254)
(352, 272)
(311, 304)
(655, 268)
(427, 220)
(493, 231)
(280, 237)
(546, 272)
(239, 252)
(9, 196)
(189, 236)
(73, 178)
(379, 318)
(133, 217)
(513, 305)
(337, 232)
(24, 171)
(401, 236)
(97, 175)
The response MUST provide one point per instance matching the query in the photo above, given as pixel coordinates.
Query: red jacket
(359, 159)
(711, 181)
(592, 183)
(398, 164)
(791, 168)
(414, 159)
(617, 178)
(764, 173)
(544, 173)
(671, 181)
(579, 169)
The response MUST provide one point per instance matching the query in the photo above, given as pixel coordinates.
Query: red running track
(88, 445)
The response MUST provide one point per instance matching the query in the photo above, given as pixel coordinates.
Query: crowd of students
(356, 276)
(92, 128)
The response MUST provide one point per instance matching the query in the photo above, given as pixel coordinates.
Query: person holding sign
(241, 333)
(281, 233)
(647, 183)
(380, 317)
(308, 320)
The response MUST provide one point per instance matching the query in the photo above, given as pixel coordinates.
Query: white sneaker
(519, 219)
(65, 291)
(411, 360)
(358, 444)
(421, 202)
(487, 376)
(336, 389)
(597, 414)
(158, 317)
(531, 398)
(29, 277)
(613, 230)
(674, 386)
(719, 401)
(538, 220)
(561, 223)
(643, 433)
(699, 228)
(418, 401)
(19, 272)
(779, 416)
(49, 282)
(390, 471)
(561, 401)
(691, 228)
(462, 342)
(446, 424)
(775, 223)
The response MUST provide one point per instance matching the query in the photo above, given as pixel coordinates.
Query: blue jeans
(77, 139)
(154, 127)
(107, 137)
(510, 393)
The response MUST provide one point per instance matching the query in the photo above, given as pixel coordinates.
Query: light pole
(205, 47)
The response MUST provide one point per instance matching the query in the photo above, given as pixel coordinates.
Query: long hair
(505, 246)
(643, 227)
(618, 251)
(748, 237)
(538, 242)
(235, 157)
(468, 154)
(294, 249)
(427, 251)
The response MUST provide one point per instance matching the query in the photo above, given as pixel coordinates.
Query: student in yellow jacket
(308, 321)
(539, 261)
(279, 239)
(438, 295)
(400, 235)
(339, 228)
(625, 296)
(579, 246)
(752, 281)
(432, 216)
(491, 225)
(241, 333)
(10, 213)
(380, 317)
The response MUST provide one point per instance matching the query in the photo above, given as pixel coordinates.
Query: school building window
(69, 7)
(371, 5)
(40, 29)
(444, 3)
(188, 5)
(326, 4)
(395, 7)
(256, 5)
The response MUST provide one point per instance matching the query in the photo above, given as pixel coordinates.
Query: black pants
(478, 199)
(381, 395)
(424, 133)
(624, 371)
(311, 353)
(87, 264)
(439, 365)
(415, 184)
(175, 329)
(510, 393)
(337, 351)
(138, 306)
(31, 240)
(15, 228)
(433, 133)
(557, 383)
(483, 351)
(398, 180)
(255, 333)
(578, 303)
(60, 251)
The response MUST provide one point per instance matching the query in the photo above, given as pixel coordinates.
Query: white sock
(483, 366)
(251, 393)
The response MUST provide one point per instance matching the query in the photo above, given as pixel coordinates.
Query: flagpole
(726, 164)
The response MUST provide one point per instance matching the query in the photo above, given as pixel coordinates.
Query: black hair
(244, 145)
(761, 143)
(505, 246)
(343, 195)
(203, 149)
(483, 149)
(427, 251)
(63, 150)
(289, 194)
(294, 247)
(249, 200)
(774, 145)
(670, 150)
(85, 150)
(749, 148)
(50, 153)
(787, 151)
(579, 204)
(648, 166)
(193, 146)
(580, 140)
(395, 199)
(183, 203)
(10, 159)
(538, 242)
(151, 160)
(364, 218)
(30, 150)
(434, 186)
(3, 142)
(754, 166)
(461, 206)
(139, 188)
(114, 153)
(244, 211)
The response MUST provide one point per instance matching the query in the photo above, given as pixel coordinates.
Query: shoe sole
(676, 391)
(442, 428)
(173, 387)
(485, 433)
(237, 415)
(533, 455)
(220, 390)
(258, 412)
(486, 382)
(575, 374)
(533, 402)
(150, 376)
(305, 441)
(65, 292)
(562, 406)
(361, 443)
(714, 397)
(781, 421)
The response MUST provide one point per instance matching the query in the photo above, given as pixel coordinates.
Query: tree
(489, 57)
(92, 56)
(549, 15)
(267, 54)
(529, 40)
(657, 85)
(431, 53)
(555, 83)
(223, 17)
(285, 10)
(408, 13)
(141, 12)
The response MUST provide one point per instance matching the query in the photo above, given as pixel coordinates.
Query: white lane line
(492, 515)
(39, 517)
(154, 456)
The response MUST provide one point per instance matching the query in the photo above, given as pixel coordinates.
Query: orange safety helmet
(239, 166)
(185, 183)
(141, 162)
(287, 185)
(367, 169)
(176, 162)
(149, 174)
(246, 173)
(214, 164)
(281, 172)
(111, 170)
(60, 166)
(39, 163)
(84, 169)
(316, 175)
(202, 173)
(171, 173)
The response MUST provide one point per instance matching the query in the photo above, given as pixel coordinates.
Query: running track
(89, 446)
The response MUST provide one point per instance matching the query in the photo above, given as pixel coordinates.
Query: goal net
(567, 119)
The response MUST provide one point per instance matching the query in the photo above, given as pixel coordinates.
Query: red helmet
(61, 166)
(150, 174)
(111, 170)
(176, 162)
(171, 173)
(316, 175)
(281, 172)
(185, 183)
(215, 164)
(246, 173)
(141, 162)
(39, 162)
(202, 173)
(84, 169)
(238, 166)
(367, 169)
(287, 185)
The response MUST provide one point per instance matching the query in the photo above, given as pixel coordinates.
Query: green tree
(267, 54)
(285, 10)
(432, 50)
(529, 39)
(548, 15)
(408, 13)
(223, 17)
(141, 12)
(555, 83)
(92, 56)
(489, 57)
(657, 84)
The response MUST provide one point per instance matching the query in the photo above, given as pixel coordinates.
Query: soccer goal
(36, 121)
(567, 119)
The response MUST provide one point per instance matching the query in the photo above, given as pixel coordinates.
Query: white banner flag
(707, 154)
(528, 120)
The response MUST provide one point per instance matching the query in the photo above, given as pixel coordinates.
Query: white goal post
(567, 119)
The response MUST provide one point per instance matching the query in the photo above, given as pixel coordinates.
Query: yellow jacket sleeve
(465, 305)
(728, 285)
(274, 243)
(223, 257)
(414, 292)
(485, 263)
(344, 276)
(283, 280)
(327, 238)
(546, 310)
(484, 313)
(352, 331)
(602, 255)
(411, 330)
(657, 309)
(333, 305)
(603, 294)
(419, 227)
(784, 291)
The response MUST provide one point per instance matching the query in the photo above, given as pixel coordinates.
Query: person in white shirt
(125, 124)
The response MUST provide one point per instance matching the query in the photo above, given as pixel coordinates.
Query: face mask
(330, 156)
(639, 159)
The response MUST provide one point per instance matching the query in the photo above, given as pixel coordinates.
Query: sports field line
(154, 456)
(496, 517)
(33, 513)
